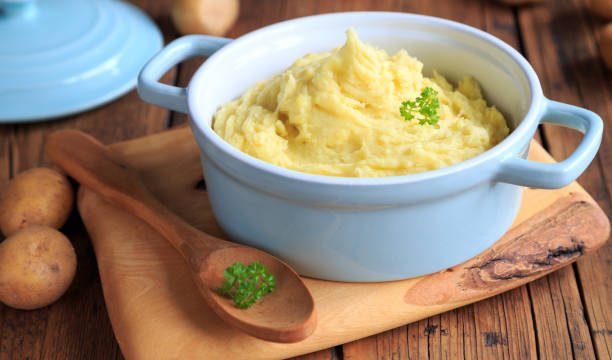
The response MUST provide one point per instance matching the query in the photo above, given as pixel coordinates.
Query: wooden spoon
(285, 315)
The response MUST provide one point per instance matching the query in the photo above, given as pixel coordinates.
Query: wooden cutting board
(157, 313)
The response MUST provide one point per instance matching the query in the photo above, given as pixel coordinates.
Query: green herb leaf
(424, 107)
(245, 285)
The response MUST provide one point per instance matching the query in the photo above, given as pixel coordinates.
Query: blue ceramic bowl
(370, 229)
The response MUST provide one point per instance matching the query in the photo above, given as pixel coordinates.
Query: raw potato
(39, 196)
(605, 45)
(602, 8)
(213, 17)
(37, 264)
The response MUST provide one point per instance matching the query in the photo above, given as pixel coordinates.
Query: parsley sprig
(424, 107)
(247, 284)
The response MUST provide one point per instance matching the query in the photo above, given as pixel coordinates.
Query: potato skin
(37, 265)
(39, 196)
(213, 17)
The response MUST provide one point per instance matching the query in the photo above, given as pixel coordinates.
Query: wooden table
(566, 314)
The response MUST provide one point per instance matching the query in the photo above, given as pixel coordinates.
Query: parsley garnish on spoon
(247, 284)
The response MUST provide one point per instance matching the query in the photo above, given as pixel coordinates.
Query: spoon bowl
(285, 315)
(284, 308)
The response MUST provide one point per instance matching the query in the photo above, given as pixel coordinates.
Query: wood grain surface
(565, 314)
(146, 283)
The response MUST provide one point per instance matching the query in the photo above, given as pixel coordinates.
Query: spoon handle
(95, 166)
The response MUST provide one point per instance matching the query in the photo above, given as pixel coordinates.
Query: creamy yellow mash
(337, 113)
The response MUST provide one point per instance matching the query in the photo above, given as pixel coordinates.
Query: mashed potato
(337, 113)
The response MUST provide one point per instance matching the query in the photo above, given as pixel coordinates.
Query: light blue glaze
(518, 171)
(173, 97)
(371, 229)
(59, 57)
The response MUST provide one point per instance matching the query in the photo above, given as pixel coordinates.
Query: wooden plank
(552, 293)
(77, 325)
(594, 274)
(366, 348)
(501, 22)
(490, 327)
(125, 118)
(504, 327)
(418, 340)
(124, 251)
(467, 327)
(517, 303)
(451, 335)
(327, 354)
(437, 331)
(21, 336)
(550, 321)
(393, 346)
(576, 75)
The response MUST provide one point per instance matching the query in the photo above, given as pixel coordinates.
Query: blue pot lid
(59, 57)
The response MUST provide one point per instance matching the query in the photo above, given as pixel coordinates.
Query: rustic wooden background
(563, 315)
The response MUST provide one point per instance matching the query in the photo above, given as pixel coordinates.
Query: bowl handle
(518, 171)
(181, 49)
